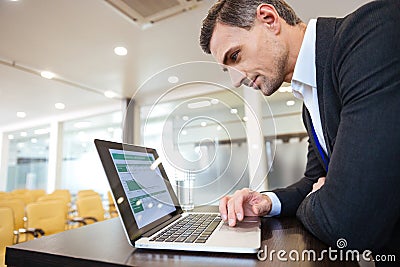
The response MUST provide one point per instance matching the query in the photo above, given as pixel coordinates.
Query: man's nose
(237, 77)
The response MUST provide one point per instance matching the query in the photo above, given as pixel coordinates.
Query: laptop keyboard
(195, 228)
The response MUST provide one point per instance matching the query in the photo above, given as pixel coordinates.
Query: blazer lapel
(325, 34)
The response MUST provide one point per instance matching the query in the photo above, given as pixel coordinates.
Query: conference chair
(91, 207)
(86, 192)
(6, 231)
(18, 208)
(36, 193)
(45, 218)
(112, 210)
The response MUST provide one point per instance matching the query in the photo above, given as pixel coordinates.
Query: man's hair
(240, 13)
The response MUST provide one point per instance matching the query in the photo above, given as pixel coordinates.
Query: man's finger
(223, 208)
(231, 212)
(239, 212)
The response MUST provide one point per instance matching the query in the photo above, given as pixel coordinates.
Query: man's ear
(268, 16)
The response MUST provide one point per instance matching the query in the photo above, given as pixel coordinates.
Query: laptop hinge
(161, 226)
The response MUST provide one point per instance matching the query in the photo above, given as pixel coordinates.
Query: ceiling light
(290, 103)
(10, 137)
(120, 51)
(110, 94)
(203, 123)
(200, 104)
(59, 105)
(287, 89)
(214, 101)
(23, 134)
(21, 114)
(185, 118)
(184, 132)
(234, 111)
(47, 74)
(173, 79)
(34, 140)
(245, 118)
(219, 128)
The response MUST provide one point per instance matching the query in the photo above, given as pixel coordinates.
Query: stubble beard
(271, 84)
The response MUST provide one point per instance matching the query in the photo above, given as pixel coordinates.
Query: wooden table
(105, 244)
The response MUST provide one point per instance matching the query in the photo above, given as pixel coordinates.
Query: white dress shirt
(304, 85)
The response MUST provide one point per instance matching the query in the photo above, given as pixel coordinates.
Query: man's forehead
(223, 37)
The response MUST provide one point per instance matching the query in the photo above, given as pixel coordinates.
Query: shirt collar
(304, 70)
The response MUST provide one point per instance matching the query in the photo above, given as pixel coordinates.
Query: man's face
(255, 57)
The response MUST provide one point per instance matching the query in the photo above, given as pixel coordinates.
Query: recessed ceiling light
(10, 137)
(34, 140)
(214, 101)
(287, 89)
(200, 104)
(47, 74)
(21, 114)
(245, 118)
(59, 105)
(110, 94)
(173, 79)
(185, 118)
(184, 132)
(290, 103)
(203, 123)
(120, 51)
(234, 111)
(23, 134)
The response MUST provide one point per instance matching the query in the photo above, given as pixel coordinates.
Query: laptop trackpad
(249, 224)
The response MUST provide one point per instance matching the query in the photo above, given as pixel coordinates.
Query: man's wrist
(275, 204)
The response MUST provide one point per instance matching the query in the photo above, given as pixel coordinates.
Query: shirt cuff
(276, 204)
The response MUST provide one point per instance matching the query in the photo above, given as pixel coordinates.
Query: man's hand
(244, 203)
(318, 184)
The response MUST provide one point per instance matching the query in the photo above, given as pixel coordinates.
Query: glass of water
(184, 190)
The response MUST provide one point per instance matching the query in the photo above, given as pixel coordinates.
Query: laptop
(150, 212)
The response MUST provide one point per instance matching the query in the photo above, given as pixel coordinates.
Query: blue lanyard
(324, 157)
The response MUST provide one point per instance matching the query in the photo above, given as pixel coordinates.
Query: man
(347, 71)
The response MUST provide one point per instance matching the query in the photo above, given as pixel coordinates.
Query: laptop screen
(143, 184)
(140, 187)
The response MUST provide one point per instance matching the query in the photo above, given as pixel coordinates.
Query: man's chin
(268, 91)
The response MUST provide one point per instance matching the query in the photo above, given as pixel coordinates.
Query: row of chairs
(47, 214)
(54, 213)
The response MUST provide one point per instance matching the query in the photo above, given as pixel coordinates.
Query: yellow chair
(6, 231)
(85, 193)
(26, 196)
(46, 218)
(36, 193)
(91, 207)
(18, 207)
(20, 191)
(112, 210)
(63, 192)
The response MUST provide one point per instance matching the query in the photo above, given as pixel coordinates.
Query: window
(28, 158)
(81, 166)
(204, 135)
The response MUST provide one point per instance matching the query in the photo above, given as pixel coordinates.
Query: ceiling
(75, 40)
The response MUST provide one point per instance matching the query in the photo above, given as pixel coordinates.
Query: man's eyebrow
(226, 58)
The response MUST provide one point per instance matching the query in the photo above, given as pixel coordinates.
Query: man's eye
(234, 56)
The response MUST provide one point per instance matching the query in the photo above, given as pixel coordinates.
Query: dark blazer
(358, 84)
